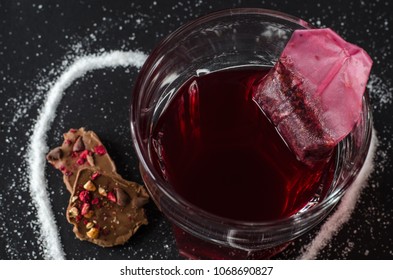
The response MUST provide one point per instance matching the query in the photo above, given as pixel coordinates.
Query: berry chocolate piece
(313, 95)
(105, 210)
(79, 150)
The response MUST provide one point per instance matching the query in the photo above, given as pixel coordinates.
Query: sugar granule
(38, 148)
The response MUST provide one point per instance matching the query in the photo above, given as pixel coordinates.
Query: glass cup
(224, 39)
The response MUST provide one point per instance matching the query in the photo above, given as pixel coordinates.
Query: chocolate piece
(96, 217)
(99, 207)
(80, 149)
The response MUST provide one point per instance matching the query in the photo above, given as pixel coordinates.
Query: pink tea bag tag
(313, 94)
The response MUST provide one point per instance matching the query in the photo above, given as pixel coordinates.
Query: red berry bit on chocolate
(78, 218)
(80, 161)
(82, 157)
(85, 208)
(68, 142)
(111, 196)
(95, 175)
(84, 154)
(100, 150)
(95, 201)
(84, 196)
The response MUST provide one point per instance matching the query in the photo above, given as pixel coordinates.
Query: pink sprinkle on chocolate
(78, 218)
(62, 168)
(68, 173)
(68, 142)
(100, 150)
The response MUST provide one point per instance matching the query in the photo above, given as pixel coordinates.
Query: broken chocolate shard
(54, 154)
(140, 201)
(122, 198)
(79, 145)
(313, 95)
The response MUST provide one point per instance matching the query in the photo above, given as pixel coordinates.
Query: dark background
(38, 39)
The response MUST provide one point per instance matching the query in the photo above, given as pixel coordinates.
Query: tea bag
(313, 94)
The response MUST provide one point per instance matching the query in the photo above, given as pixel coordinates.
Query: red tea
(219, 151)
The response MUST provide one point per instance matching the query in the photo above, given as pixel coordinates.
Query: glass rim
(165, 188)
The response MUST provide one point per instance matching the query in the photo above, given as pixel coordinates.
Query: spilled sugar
(38, 147)
(50, 240)
(380, 91)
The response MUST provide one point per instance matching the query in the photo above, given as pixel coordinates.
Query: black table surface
(37, 38)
